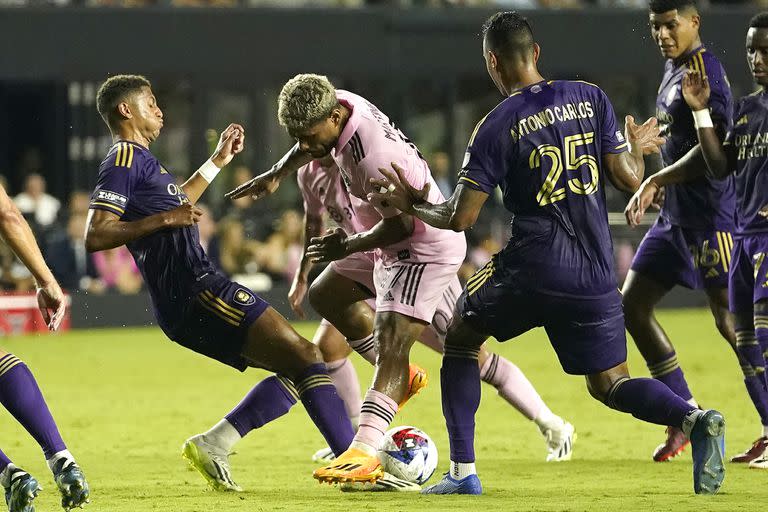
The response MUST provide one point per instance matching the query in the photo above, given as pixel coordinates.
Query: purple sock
(668, 371)
(324, 406)
(4, 461)
(20, 394)
(649, 400)
(759, 395)
(460, 383)
(267, 401)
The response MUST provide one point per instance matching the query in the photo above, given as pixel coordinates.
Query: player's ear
(536, 52)
(124, 110)
(336, 116)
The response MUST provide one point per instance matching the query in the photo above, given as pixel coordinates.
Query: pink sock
(342, 373)
(365, 347)
(513, 385)
(375, 416)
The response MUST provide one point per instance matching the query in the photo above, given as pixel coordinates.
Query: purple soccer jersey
(543, 146)
(133, 184)
(748, 145)
(702, 204)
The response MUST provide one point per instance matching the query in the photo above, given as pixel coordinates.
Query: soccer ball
(408, 453)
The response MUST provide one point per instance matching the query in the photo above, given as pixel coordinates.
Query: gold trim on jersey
(479, 278)
(116, 208)
(124, 155)
(469, 180)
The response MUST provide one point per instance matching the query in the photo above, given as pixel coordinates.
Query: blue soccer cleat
(21, 492)
(708, 446)
(449, 485)
(71, 482)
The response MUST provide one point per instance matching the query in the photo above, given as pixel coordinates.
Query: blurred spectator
(440, 165)
(14, 276)
(34, 202)
(72, 265)
(117, 270)
(281, 254)
(236, 254)
(78, 203)
(255, 216)
(208, 238)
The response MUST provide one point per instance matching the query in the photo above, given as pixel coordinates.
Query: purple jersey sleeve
(313, 207)
(480, 169)
(114, 188)
(612, 140)
(720, 93)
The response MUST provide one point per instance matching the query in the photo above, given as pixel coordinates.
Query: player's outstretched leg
(20, 394)
(272, 343)
(460, 389)
(760, 323)
(652, 401)
(21, 488)
(640, 296)
(514, 387)
(395, 333)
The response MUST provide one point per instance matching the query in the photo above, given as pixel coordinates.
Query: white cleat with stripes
(387, 483)
(211, 462)
(560, 442)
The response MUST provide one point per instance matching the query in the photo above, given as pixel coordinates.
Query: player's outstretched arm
(231, 142)
(104, 230)
(266, 183)
(626, 169)
(313, 227)
(336, 245)
(458, 213)
(696, 92)
(18, 235)
(690, 167)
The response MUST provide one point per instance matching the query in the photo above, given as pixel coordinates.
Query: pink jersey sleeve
(313, 205)
(416, 177)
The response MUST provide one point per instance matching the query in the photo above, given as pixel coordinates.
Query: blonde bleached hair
(305, 100)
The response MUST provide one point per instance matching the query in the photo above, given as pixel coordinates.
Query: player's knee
(460, 335)
(320, 298)
(332, 350)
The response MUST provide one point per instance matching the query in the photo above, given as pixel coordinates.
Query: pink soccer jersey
(370, 141)
(323, 191)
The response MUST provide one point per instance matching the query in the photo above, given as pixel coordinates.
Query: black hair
(508, 33)
(759, 20)
(114, 90)
(661, 6)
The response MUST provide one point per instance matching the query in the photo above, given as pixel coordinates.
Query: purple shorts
(748, 279)
(587, 333)
(217, 319)
(672, 255)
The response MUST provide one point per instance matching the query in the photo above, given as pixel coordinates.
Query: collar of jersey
(685, 58)
(118, 141)
(350, 128)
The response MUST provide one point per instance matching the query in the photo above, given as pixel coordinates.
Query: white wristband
(208, 170)
(702, 119)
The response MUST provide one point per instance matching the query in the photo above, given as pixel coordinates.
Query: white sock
(370, 450)
(693, 402)
(690, 420)
(63, 454)
(5, 475)
(223, 435)
(547, 419)
(765, 430)
(366, 347)
(460, 470)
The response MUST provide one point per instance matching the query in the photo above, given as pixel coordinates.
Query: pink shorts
(411, 288)
(357, 267)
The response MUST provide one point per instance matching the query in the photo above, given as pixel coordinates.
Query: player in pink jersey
(408, 252)
(323, 192)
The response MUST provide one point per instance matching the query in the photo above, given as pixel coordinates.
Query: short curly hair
(305, 100)
(114, 90)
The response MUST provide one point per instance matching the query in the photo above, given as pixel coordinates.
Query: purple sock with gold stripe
(668, 371)
(267, 401)
(20, 394)
(324, 406)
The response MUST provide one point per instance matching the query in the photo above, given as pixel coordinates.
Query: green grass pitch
(126, 399)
